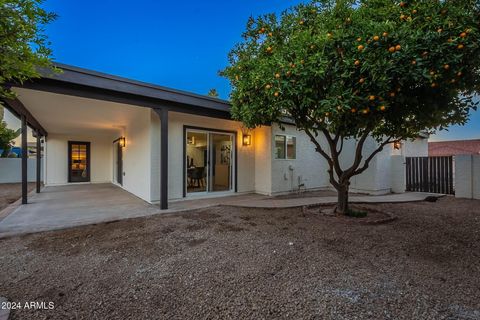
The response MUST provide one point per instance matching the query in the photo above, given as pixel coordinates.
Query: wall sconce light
(397, 145)
(247, 139)
(122, 142)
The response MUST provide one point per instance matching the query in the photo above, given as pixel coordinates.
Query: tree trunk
(342, 202)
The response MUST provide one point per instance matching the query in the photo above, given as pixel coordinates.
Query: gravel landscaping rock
(242, 263)
(11, 192)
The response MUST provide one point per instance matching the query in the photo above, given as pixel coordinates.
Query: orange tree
(354, 69)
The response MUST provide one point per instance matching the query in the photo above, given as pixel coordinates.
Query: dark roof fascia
(92, 78)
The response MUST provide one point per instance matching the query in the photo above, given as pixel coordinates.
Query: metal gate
(430, 174)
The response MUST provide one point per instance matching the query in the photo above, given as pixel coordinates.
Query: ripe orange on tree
(360, 48)
(391, 49)
(357, 62)
(398, 47)
(376, 38)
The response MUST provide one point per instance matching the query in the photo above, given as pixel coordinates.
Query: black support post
(163, 158)
(24, 159)
(39, 161)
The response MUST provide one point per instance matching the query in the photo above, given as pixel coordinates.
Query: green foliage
(213, 93)
(348, 67)
(6, 138)
(23, 45)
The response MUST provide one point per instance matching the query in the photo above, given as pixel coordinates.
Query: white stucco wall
(397, 173)
(312, 168)
(137, 154)
(413, 148)
(245, 154)
(262, 143)
(309, 167)
(56, 155)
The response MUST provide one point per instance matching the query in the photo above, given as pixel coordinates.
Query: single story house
(162, 144)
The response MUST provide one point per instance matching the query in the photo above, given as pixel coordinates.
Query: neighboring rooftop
(452, 148)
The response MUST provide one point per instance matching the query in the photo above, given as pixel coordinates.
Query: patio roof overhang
(84, 83)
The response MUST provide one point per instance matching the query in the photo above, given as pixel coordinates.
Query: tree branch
(333, 151)
(358, 154)
(320, 150)
(374, 153)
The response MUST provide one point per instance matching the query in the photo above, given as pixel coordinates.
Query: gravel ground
(11, 192)
(235, 263)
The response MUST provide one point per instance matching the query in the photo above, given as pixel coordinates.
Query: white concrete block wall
(476, 177)
(11, 170)
(467, 176)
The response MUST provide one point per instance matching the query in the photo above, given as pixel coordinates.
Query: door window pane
(221, 162)
(196, 161)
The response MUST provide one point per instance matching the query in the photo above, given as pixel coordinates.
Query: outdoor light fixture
(122, 142)
(247, 139)
(397, 145)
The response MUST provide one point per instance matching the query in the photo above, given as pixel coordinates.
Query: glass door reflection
(209, 161)
(78, 161)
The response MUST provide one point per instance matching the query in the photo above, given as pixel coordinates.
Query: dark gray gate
(430, 174)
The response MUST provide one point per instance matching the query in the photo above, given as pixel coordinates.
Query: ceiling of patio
(65, 114)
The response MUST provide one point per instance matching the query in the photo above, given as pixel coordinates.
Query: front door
(78, 161)
(118, 162)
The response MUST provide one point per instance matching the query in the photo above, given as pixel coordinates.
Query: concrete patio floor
(69, 206)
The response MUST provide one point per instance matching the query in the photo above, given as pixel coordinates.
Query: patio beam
(163, 114)
(39, 159)
(24, 159)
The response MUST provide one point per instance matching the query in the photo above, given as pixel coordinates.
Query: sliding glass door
(209, 161)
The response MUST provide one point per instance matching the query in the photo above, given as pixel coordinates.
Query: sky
(177, 44)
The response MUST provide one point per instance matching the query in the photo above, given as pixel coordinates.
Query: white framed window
(285, 147)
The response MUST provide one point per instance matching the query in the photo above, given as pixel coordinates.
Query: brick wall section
(453, 148)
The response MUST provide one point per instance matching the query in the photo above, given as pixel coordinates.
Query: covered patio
(62, 207)
(68, 206)
(99, 128)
